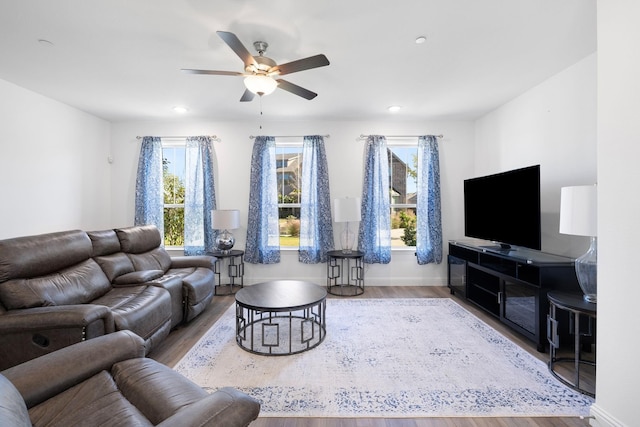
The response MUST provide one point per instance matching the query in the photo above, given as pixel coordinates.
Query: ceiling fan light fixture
(260, 85)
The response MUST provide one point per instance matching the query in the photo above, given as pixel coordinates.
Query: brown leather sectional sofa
(61, 288)
(107, 381)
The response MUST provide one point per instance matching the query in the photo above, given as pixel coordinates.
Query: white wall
(618, 375)
(54, 172)
(345, 163)
(554, 125)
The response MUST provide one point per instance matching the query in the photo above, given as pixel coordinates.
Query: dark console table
(581, 324)
(511, 285)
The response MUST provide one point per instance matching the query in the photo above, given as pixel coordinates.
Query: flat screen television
(504, 208)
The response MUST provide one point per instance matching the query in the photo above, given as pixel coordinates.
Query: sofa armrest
(137, 277)
(40, 379)
(205, 261)
(225, 407)
(54, 317)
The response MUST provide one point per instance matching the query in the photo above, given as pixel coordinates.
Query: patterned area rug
(388, 358)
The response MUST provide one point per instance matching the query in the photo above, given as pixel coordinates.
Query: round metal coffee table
(281, 317)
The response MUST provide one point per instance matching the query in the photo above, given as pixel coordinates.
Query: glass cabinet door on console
(457, 276)
(519, 305)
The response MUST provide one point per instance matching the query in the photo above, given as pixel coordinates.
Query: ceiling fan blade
(303, 64)
(213, 72)
(236, 45)
(247, 96)
(296, 90)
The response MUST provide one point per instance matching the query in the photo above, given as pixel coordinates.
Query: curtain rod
(213, 137)
(361, 137)
(290, 136)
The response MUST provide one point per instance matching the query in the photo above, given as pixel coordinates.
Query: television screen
(504, 207)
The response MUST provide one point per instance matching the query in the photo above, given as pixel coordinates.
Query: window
(173, 175)
(403, 191)
(289, 175)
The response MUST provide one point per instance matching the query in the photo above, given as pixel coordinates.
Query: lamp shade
(578, 210)
(261, 85)
(347, 209)
(225, 219)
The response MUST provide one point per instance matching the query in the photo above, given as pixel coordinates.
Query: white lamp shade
(261, 85)
(225, 219)
(346, 209)
(579, 210)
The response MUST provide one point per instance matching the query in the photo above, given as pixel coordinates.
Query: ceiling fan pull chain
(260, 111)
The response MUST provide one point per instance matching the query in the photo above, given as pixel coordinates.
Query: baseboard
(601, 418)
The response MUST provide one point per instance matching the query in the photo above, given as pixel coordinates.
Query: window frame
(401, 206)
(173, 143)
(283, 145)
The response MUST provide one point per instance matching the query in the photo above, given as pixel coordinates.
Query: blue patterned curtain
(149, 204)
(200, 196)
(374, 235)
(316, 227)
(263, 234)
(429, 222)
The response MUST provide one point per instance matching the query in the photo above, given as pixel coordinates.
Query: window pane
(173, 168)
(403, 227)
(289, 176)
(174, 226)
(403, 163)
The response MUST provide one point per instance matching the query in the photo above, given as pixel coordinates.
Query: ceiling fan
(261, 72)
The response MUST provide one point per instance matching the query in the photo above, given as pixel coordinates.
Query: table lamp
(347, 209)
(225, 220)
(578, 217)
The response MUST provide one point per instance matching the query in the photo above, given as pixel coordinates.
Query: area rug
(388, 358)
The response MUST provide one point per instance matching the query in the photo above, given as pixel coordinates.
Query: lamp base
(587, 272)
(225, 241)
(347, 239)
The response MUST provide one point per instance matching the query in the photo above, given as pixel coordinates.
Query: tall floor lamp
(225, 220)
(578, 216)
(347, 209)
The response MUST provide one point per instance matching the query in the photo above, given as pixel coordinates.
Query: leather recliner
(107, 381)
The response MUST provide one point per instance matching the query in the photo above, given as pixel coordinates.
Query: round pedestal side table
(575, 366)
(345, 273)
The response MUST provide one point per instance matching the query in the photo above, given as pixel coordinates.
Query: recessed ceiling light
(394, 108)
(180, 109)
(421, 39)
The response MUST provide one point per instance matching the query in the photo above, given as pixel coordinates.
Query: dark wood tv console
(511, 285)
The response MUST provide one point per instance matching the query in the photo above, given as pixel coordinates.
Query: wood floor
(183, 338)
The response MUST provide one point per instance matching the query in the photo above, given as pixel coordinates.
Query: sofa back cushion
(156, 259)
(32, 256)
(142, 245)
(115, 265)
(104, 242)
(79, 284)
(139, 239)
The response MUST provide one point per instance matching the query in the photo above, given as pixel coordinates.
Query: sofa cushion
(139, 239)
(155, 259)
(32, 256)
(140, 309)
(93, 402)
(13, 411)
(79, 284)
(115, 265)
(104, 242)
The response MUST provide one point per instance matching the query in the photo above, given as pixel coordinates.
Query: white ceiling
(121, 59)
